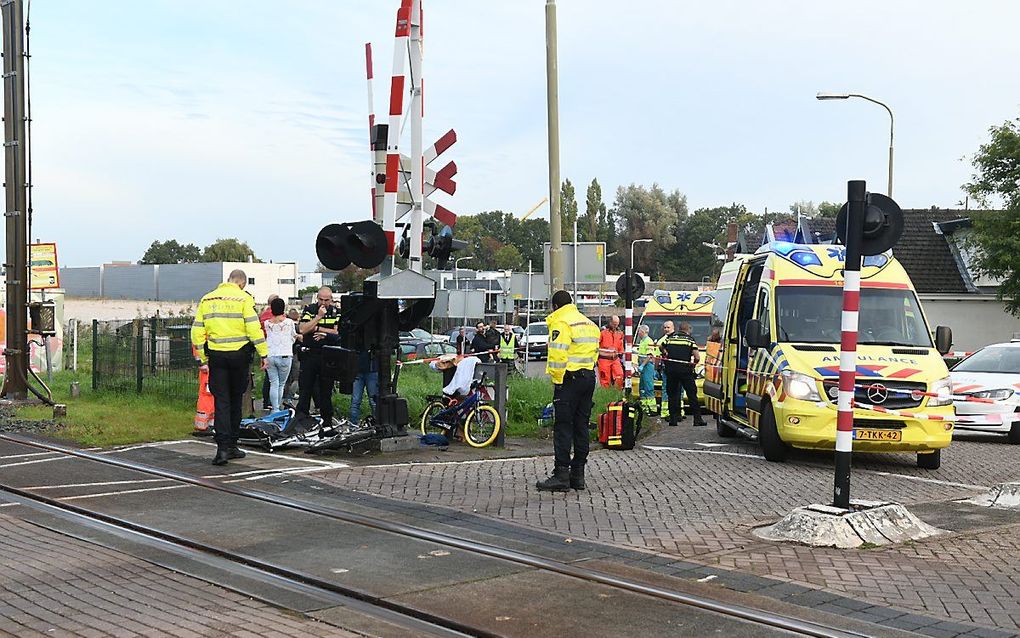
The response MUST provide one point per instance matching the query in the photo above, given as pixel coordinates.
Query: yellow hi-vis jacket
(226, 321)
(573, 342)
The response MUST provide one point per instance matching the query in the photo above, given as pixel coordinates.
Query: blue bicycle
(470, 418)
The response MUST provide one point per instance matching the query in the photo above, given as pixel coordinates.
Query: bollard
(59, 410)
(497, 372)
(75, 390)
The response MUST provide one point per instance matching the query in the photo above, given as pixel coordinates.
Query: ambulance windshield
(699, 325)
(811, 314)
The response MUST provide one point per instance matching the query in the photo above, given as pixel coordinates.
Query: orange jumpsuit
(610, 353)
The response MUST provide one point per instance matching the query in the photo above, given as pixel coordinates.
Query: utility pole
(16, 354)
(552, 96)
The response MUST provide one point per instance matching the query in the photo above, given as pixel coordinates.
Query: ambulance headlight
(800, 386)
(943, 388)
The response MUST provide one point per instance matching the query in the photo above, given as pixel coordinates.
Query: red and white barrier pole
(857, 205)
(371, 118)
(416, 110)
(393, 174)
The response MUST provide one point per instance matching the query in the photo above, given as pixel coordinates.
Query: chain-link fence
(144, 355)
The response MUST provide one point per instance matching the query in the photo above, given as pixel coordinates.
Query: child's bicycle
(471, 418)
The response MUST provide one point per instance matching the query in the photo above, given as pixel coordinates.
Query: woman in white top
(280, 334)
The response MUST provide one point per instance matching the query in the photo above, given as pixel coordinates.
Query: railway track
(424, 622)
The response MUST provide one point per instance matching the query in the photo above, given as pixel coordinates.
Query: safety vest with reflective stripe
(226, 322)
(506, 348)
(646, 348)
(573, 342)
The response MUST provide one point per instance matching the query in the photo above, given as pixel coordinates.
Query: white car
(991, 374)
(536, 335)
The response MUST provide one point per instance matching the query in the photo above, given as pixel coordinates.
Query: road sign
(45, 271)
(591, 262)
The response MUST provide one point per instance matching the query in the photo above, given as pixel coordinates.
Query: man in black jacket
(480, 343)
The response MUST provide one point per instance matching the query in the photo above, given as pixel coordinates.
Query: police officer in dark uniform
(679, 349)
(318, 326)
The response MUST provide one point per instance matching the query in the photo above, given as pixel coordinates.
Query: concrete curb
(1002, 496)
(872, 522)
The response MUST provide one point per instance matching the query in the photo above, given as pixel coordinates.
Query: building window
(285, 281)
(251, 281)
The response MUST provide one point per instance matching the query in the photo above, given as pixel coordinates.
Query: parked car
(536, 336)
(991, 374)
(420, 349)
(417, 334)
(469, 332)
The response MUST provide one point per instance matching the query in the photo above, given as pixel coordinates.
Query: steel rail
(423, 623)
(779, 621)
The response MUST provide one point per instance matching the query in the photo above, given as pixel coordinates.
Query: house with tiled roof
(933, 253)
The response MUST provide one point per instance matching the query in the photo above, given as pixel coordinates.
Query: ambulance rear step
(743, 430)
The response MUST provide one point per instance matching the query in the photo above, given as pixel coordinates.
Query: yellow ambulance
(773, 373)
(694, 307)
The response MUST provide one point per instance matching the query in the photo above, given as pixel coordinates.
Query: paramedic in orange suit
(610, 351)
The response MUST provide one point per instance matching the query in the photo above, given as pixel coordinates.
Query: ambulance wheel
(1014, 433)
(930, 461)
(772, 447)
(722, 429)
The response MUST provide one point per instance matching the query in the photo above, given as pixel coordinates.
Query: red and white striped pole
(628, 335)
(393, 174)
(416, 111)
(371, 118)
(856, 207)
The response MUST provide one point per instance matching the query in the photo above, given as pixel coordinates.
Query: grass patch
(105, 418)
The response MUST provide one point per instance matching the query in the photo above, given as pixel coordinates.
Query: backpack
(620, 425)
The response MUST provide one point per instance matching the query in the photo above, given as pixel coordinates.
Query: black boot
(222, 456)
(558, 481)
(235, 453)
(700, 423)
(577, 478)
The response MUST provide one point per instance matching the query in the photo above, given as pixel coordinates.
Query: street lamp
(636, 241)
(845, 96)
(456, 284)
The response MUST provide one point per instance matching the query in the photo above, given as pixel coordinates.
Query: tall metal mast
(15, 385)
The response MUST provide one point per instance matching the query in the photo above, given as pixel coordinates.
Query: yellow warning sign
(45, 273)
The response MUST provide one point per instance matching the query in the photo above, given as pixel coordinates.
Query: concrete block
(1002, 496)
(398, 443)
(870, 522)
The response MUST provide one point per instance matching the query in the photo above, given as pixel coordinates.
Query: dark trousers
(228, 379)
(313, 380)
(682, 379)
(572, 405)
(265, 390)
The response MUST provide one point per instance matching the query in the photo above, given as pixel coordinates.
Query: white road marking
(52, 458)
(287, 472)
(878, 472)
(707, 578)
(9, 504)
(25, 456)
(147, 489)
(416, 464)
(57, 487)
(713, 444)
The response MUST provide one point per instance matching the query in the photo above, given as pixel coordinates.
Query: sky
(230, 118)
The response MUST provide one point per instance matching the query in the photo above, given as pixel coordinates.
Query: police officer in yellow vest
(225, 324)
(573, 350)
(508, 346)
(681, 353)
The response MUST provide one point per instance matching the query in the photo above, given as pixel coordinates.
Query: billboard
(45, 273)
(591, 262)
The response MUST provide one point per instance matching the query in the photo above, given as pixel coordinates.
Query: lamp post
(846, 96)
(456, 284)
(636, 241)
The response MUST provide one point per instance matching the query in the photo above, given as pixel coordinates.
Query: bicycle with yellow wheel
(471, 418)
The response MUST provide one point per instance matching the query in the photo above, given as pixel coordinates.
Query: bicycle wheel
(427, 427)
(481, 426)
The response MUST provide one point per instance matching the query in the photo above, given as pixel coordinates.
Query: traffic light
(360, 243)
(442, 245)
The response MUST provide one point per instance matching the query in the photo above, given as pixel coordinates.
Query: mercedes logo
(877, 393)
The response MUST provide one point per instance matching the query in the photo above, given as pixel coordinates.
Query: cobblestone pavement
(52, 584)
(690, 495)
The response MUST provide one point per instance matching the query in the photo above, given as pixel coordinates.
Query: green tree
(806, 208)
(507, 258)
(828, 210)
(351, 279)
(648, 213)
(171, 252)
(590, 224)
(995, 239)
(228, 250)
(568, 210)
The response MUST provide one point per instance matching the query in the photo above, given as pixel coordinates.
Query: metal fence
(144, 355)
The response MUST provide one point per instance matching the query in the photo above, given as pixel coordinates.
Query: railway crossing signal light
(442, 245)
(883, 224)
(360, 243)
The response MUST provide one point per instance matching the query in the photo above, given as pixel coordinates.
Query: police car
(991, 374)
